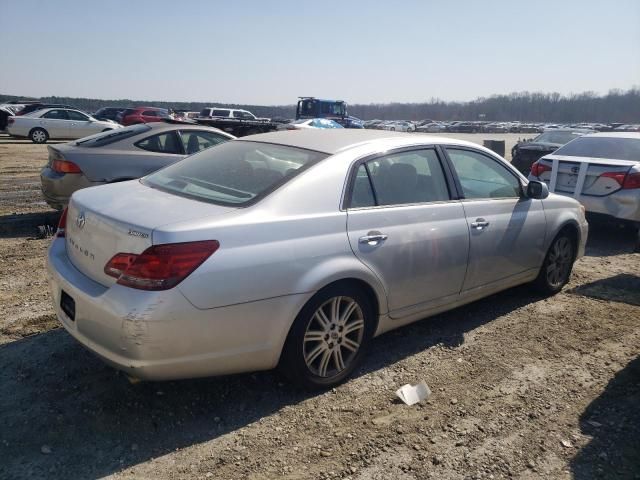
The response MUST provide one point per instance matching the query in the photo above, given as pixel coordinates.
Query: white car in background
(400, 126)
(600, 170)
(57, 123)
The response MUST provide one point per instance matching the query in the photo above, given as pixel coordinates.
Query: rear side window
(194, 141)
(161, 143)
(217, 112)
(483, 177)
(56, 115)
(402, 178)
(234, 173)
(602, 147)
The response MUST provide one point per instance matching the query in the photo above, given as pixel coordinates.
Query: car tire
(558, 263)
(38, 135)
(328, 338)
(393, 129)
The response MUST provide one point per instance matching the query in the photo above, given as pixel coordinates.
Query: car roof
(635, 135)
(332, 141)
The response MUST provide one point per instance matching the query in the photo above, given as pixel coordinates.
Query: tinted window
(483, 177)
(205, 112)
(602, 147)
(216, 112)
(161, 143)
(403, 178)
(195, 140)
(362, 195)
(233, 173)
(105, 138)
(80, 117)
(557, 137)
(56, 115)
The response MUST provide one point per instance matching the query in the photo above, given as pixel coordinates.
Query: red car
(131, 116)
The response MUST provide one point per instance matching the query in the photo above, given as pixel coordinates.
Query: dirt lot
(523, 386)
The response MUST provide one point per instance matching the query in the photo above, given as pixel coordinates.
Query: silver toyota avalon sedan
(294, 249)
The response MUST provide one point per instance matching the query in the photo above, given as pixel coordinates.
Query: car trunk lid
(577, 176)
(120, 218)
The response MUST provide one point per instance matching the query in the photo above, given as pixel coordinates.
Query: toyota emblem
(80, 220)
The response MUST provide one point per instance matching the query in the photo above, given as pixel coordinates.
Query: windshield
(111, 136)
(602, 147)
(557, 137)
(233, 173)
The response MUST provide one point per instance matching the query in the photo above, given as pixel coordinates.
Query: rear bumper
(161, 335)
(623, 204)
(58, 187)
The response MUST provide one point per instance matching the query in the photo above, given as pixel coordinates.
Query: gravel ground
(523, 387)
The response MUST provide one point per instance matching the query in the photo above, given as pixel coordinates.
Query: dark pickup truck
(239, 123)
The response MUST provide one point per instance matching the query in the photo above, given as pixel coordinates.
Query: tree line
(616, 106)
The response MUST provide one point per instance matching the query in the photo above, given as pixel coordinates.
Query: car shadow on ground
(57, 395)
(613, 422)
(623, 287)
(607, 238)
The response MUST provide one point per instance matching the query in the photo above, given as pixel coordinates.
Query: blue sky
(270, 52)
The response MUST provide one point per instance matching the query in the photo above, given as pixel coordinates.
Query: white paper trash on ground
(412, 394)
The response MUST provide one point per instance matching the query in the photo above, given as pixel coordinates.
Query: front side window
(483, 177)
(234, 173)
(216, 112)
(56, 115)
(161, 143)
(402, 178)
(77, 116)
(194, 141)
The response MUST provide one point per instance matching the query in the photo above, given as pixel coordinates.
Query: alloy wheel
(559, 262)
(333, 336)
(39, 136)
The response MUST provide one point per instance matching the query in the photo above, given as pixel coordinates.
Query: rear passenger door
(56, 123)
(403, 224)
(507, 230)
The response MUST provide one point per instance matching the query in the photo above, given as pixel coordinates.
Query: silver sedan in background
(119, 155)
(294, 249)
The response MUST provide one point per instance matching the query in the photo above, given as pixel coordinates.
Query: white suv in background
(214, 112)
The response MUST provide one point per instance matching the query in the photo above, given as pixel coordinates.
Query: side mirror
(537, 190)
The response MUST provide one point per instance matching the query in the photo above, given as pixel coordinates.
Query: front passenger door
(507, 230)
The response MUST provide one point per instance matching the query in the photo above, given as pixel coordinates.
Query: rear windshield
(602, 147)
(557, 137)
(111, 136)
(234, 173)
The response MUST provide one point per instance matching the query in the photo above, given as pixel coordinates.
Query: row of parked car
(431, 126)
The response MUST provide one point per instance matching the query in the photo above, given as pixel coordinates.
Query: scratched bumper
(160, 335)
(623, 204)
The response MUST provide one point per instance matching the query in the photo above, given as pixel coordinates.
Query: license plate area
(68, 305)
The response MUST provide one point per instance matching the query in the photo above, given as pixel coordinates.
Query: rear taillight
(538, 169)
(160, 267)
(626, 181)
(62, 224)
(64, 166)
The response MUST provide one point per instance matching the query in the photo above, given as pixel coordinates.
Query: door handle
(479, 224)
(373, 239)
